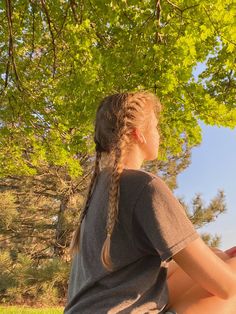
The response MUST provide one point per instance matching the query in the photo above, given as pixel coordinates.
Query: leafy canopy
(60, 58)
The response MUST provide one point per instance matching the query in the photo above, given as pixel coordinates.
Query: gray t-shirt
(152, 226)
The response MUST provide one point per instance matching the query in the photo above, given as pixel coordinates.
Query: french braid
(74, 247)
(115, 120)
(113, 204)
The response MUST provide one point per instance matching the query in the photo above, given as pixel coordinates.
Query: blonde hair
(117, 115)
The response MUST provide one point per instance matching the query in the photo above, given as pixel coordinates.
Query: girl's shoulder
(142, 175)
(137, 178)
(152, 184)
(139, 174)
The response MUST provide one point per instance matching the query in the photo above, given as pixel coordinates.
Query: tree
(59, 58)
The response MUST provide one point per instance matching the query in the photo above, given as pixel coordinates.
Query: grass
(27, 310)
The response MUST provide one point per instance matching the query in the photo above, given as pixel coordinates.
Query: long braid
(74, 247)
(113, 204)
(114, 140)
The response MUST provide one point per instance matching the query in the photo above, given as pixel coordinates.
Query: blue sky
(213, 167)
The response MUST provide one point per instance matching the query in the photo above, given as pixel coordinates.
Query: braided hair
(116, 117)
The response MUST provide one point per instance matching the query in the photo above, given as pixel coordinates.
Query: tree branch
(158, 17)
(216, 29)
(10, 49)
(52, 35)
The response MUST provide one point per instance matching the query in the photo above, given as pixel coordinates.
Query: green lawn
(27, 310)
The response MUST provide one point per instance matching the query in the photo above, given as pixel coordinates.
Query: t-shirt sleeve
(160, 221)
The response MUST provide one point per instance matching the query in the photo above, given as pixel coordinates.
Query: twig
(73, 6)
(33, 30)
(216, 29)
(63, 22)
(10, 49)
(158, 17)
(52, 35)
(179, 9)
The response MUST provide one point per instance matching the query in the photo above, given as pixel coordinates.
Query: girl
(135, 250)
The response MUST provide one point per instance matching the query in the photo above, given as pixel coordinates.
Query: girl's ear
(144, 139)
(138, 135)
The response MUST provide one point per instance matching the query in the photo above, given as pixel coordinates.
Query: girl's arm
(223, 255)
(203, 265)
(173, 266)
